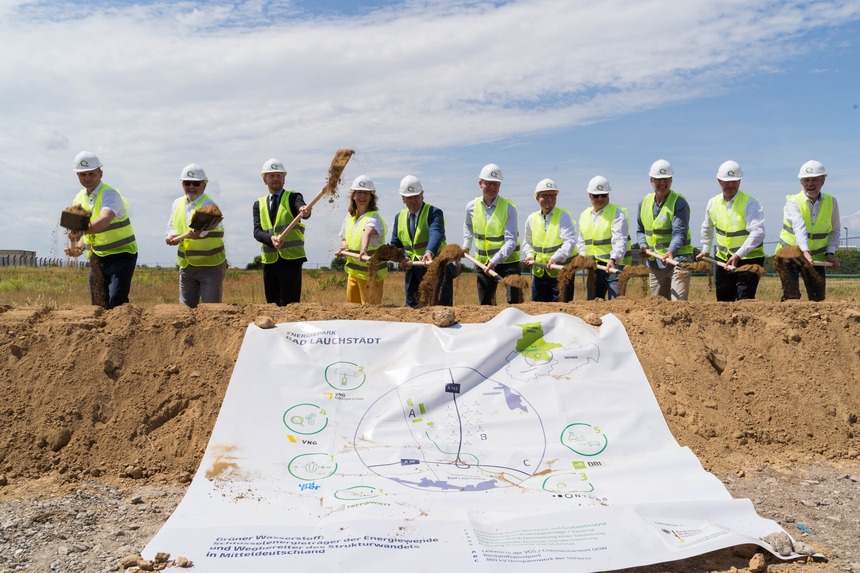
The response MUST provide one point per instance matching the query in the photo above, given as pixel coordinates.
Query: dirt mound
(134, 393)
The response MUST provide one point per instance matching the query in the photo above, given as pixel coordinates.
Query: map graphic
(451, 430)
(535, 356)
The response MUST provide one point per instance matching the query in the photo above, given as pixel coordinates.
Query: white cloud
(152, 87)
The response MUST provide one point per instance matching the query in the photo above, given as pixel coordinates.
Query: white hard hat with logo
(730, 171)
(192, 172)
(273, 166)
(363, 183)
(491, 172)
(598, 185)
(661, 169)
(545, 185)
(410, 186)
(86, 161)
(811, 168)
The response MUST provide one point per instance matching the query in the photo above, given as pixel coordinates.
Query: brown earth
(132, 393)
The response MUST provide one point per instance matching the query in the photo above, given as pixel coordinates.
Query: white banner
(375, 446)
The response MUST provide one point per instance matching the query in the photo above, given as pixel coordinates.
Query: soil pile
(135, 392)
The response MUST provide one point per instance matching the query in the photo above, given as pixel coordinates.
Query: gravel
(91, 528)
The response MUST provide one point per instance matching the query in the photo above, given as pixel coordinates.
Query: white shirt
(111, 200)
(510, 234)
(754, 217)
(566, 227)
(620, 231)
(190, 207)
(792, 215)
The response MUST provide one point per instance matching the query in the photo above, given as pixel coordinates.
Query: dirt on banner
(764, 393)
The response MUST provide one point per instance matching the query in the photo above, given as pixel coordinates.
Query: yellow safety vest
(490, 234)
(731, 228)
(817, 234)
(206, 251)
(294, 246)
(658, 231)
(598, 237)
(354, 267)
(417, 246)
(118, 237)
(546, 242)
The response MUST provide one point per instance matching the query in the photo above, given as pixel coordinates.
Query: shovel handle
(822, 264)
(417, 264)
(604, 269)
(728, 267)
(651, 253)
(354, 255)
(482, 266)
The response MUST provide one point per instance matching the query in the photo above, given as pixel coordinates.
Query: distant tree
(257, 263)
(337, 264)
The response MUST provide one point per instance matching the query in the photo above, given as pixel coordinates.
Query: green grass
(57, 287)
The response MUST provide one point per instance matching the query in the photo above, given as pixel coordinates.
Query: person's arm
(754, 216)
(262, 236)
(798, 225)
(436, 231)
(706, 233)
(527, 251)
(680, 228)
(510, 235)
(640, 229)
(395, 240)
(298, 207)
(620, 231)
(834, 237)
(468, 233)
(568, 240)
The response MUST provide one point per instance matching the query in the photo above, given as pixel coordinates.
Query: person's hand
(643, 252)
(427, 257)
(362, 255)
(700, 256)
(668, 256)
(610, 266)
(172, 240)
(528, 263)
(734, 262)
(833, 261)
(193, 234)
(489, 267)
(74, 250)
(277, 242)
(305, 211)
(808, 256)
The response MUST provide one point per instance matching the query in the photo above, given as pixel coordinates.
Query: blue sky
(566, 90)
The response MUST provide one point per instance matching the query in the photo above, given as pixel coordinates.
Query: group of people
(733, 226)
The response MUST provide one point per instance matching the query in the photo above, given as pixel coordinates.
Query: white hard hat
(192, 172)
(730, 171)
(86, 161)
(661, 169)
(410, 186)
(599, 185)
(811, 168)
(545, 185)
(491, 172)
(363, 183)
(273, 166)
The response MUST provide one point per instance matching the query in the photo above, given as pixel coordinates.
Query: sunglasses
(191, 183)
(598, 195)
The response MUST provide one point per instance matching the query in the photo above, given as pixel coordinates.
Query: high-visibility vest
(731, 228)
(598, 237)
(817, 234)
(354, 267)
(658, 231)
(490, 234)
(118, 237)
(206, 251)
(294, 245)
(546, 242)
(415, 247)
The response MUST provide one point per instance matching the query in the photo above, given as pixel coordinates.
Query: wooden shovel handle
(482, 266)
(651, 253)
(728, 267)
(354, 255)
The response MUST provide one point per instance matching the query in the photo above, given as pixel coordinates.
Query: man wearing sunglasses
(200, 254)
(109, 239)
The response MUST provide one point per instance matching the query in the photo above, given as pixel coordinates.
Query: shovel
(482, 266)
(606, 270)
(203, 219)
(730, 268)
(354, 255)
(334, 172)
(651, 253)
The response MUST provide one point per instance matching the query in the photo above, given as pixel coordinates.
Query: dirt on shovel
(431, 283)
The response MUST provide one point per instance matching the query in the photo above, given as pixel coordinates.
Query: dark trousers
(110, 279)
(545, 289)
(814, 281)
(487, 285)
(605, 286)
(282, 281)
(737, 286)
(413, 278)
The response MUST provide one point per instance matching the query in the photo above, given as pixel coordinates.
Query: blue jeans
(545, 289)
(605, 286)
